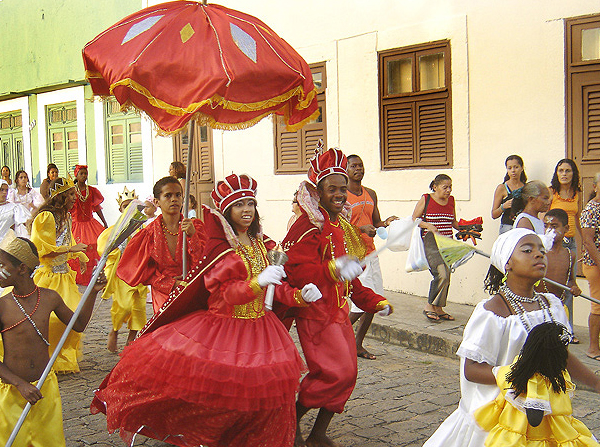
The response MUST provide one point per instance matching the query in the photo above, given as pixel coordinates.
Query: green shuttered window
(63, 142)
(124, 158)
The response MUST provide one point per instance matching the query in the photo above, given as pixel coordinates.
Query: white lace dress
(494, 340)
(24, 202)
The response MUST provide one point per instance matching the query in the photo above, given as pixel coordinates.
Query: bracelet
(502, 206)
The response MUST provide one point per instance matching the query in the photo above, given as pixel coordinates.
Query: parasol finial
(205, 2)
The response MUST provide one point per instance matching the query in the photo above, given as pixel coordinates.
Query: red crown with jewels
(326, 162)
(233, 188)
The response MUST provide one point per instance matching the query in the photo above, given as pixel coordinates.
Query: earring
(504, 278)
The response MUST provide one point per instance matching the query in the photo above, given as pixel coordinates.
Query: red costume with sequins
(224, 375)
(147, 259)
(86, 229)
(324, 329)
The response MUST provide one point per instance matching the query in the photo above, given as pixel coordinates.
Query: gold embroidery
(354, 243)
(254, 257)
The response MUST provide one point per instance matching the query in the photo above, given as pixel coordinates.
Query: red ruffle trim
(212, 361)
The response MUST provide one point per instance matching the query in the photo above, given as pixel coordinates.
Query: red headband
(79, 168)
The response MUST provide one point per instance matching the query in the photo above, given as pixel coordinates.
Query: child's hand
(30, 393)
(187, 225)
(575, 290)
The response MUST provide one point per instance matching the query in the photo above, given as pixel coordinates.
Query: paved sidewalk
(408, 327)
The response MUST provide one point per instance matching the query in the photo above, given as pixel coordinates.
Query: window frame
(415, 100)
(303, 153)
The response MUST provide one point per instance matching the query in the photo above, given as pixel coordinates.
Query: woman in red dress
(86, 229)
(223, 375)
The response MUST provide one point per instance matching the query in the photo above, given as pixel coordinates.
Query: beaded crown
(19, 249)
(232, 189)
(326, 162)
(126, 195)
(61, 185)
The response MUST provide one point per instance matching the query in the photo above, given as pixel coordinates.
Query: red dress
(86, 229)
(147, 259)
(324, 329)
(222, 376)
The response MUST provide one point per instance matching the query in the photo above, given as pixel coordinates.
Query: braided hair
(544, 352)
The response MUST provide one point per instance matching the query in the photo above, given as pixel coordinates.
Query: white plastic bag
(416, 260)
(399, 233)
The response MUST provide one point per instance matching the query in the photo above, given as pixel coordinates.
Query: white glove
(385, 311)
(311, 293)
(271, 275)
(348, 268)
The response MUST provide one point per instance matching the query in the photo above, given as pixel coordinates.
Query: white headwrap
(3, 182)
(504, 246)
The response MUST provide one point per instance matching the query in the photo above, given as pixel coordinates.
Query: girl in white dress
(11, 215)
(27, 198)
(497, 330)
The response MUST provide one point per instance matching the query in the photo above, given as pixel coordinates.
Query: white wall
(508, 89)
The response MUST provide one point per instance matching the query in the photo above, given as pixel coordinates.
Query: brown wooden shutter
(432, 132)
(399, 135)
(205, 168)
(591, 121)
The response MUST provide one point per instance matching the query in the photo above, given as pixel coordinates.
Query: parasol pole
(186, 197)
(119, 237)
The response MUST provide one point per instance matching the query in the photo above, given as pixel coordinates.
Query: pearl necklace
(516, 303)
(87, 193)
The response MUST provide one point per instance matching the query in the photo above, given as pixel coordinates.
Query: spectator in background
(296, 210)
(193, 208)
(590, 231)
(565, 189)
(177, 170)
(5, 173)
(51, 174)
(514, 180)
(535, 199)
(26, 198)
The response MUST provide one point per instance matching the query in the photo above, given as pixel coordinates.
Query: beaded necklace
(169, 231)
(78, 191)
(516, 303)
(28, 316)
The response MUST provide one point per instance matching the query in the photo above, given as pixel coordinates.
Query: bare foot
(112, 341)
(131, 337)
(299, 440)
(320, 441)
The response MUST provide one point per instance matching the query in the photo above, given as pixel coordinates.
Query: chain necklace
(78, 191)
(28, 316)
(516, 303)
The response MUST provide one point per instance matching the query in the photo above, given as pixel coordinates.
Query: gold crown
(20, 249)
(60, 187)
(126, 195)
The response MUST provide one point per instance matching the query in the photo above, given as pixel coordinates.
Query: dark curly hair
(575, 182)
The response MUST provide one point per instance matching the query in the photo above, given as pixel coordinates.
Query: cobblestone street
(399, 400)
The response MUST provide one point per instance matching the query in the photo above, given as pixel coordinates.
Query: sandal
(575, 340)
(445, 317)
(366, 355)
(431, 316)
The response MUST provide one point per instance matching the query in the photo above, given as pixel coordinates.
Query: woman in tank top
(514, 180)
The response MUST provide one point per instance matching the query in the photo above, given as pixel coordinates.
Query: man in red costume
(154, 255)
(324, 248)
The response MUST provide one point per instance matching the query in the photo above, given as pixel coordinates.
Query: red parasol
(182, 60)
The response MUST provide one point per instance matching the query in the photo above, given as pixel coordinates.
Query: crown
(125, 195)
(61, 185)
(20, 249)
(326, 162)
(232, 189)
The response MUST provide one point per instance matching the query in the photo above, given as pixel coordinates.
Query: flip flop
(431, 316)
(445, 317)
(366, 355)
(595, 357)
(575, 340)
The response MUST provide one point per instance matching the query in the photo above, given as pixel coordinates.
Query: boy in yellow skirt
(24, 324)
(129, 303)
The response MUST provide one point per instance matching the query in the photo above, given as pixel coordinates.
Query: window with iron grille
(293, 150)
(124, 157)
(415, 110)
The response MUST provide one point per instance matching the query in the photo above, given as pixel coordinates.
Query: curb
(424, 341)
